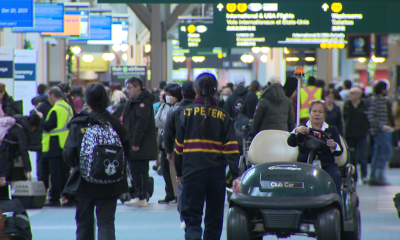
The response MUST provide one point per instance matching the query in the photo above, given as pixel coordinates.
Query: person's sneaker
(137, 203)
(166, 200)
(52, 204)
(183, 225)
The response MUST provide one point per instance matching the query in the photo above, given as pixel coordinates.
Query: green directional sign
(193, 36)
(322, 24)
(216, 52)
(369, 17)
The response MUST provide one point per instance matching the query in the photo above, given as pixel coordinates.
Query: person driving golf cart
(329, 135)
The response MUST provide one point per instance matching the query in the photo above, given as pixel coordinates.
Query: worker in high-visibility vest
(55, 132)
(307, 96)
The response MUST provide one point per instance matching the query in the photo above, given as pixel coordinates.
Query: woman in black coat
(334, 114)
(333, 146)
(90, 195)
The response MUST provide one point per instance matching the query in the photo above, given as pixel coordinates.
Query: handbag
(160, 141)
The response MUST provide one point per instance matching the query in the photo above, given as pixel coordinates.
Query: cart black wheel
(242, 165)
(238, 224)
(328, 224)
(356, 233)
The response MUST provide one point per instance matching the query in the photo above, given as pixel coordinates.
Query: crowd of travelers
(192, 131)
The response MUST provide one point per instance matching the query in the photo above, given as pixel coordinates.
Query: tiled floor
(379, 217)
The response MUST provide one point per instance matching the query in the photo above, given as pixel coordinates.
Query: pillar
(156, 48)
(276, 64)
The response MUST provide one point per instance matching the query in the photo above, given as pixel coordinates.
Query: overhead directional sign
(323, 17)
(311, 24)
(216, 52)
(195, 36)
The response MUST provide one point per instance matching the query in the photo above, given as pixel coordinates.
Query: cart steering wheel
(310, 135)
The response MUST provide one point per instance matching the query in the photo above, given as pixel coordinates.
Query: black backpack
(240, 121)
(16, 220)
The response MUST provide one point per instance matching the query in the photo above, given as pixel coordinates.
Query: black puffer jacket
(173, 124)
(15, 144)
(236, 100)
(141, 127)
(274, 111)
(7, 105)
(76, 184)
(45, 107)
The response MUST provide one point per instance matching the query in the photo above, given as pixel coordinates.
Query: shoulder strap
(244, 102)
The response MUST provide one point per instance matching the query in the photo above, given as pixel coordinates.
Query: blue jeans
(382, 153)
(360, 146)
(204, 186)
(179, 199)
(333, 171)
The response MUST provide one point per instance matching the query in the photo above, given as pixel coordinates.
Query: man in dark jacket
(45, 106)
(274, 111)
(173, 122)
(235, 102)
(15, 144)
(241, 101)
(356, 128)
(140, 125)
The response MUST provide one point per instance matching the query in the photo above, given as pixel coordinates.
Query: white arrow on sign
(325, 7)
(220, 7)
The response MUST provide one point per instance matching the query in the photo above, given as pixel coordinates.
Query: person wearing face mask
(173, 96)
(226, 92)
(381, 122)
(333, 146)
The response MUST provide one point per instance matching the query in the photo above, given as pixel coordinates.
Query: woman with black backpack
(96, 147)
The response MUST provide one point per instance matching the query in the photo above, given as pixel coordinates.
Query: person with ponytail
(204, 145)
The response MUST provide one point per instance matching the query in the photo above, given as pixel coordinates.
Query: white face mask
(224, 98)
(168, 99)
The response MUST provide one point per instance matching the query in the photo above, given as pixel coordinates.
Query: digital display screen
(48, 18)
(119, 31)
(76, 24)
(16, 13)
(100, 29)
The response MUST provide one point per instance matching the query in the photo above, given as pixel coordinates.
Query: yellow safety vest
(307, 95)
(64, 115)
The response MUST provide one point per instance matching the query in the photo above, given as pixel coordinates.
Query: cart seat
(271, 146)
(341, 160)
